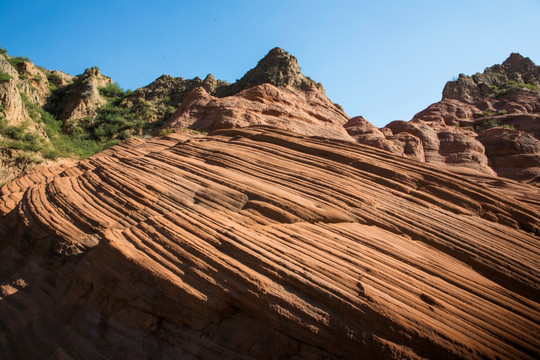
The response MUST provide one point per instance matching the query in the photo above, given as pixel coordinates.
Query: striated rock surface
(306, 111)
(256, 243)
(455, 132)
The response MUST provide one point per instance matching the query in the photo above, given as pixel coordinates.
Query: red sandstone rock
(512, 153)
(305, 111)
(257, 243)
(452, 132)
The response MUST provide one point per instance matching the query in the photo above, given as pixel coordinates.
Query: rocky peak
(278, 68)
(518, 63)
(82, 97)
(516, 73)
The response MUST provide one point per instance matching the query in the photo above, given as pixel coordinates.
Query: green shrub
(3, 51)
(15, 61)
(165, 132)
(4, 77)
(49, 153)
(112, 91)
(495, 123)
(54, 77)
(512, 85)
(487, 113)
(26, 158)
(13, 132)
(531, 87)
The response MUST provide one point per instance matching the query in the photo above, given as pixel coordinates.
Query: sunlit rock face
(260, 243)
(455, 131)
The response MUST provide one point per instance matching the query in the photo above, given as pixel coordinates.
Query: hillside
(49, 115)
(198, 219)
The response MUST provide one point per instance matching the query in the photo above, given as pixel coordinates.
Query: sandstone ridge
(257, 241)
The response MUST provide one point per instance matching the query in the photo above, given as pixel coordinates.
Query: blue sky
(384, 60)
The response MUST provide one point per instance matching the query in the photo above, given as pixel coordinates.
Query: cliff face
(455, 131)
(255, 242)
(23, 87)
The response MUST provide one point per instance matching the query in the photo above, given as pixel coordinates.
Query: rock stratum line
(256, 243)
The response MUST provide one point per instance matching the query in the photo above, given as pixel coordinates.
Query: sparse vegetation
(495, 123)
(512, 85)
(15, 61)
(112, 91)
(487, 113)
(18, 137)
(184, 129)
(165, 132)
(4, 77)
(3, 51)
(76, 144)
(54, 77)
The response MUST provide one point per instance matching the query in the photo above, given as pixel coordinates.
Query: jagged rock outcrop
(255, 243)
(305, 111)
(163, 96)
(12, 106)
(278, 68)
(516, 71)
(81, 98)
(25, 87)
(453, 132)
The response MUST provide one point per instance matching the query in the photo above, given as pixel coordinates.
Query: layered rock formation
(257, 243)
(455, 131)
(305, 111)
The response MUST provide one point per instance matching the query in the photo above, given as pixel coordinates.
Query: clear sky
(384, 60)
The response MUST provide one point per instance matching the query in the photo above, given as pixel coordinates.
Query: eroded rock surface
(307, 111)
(455, 131)
(256, 242)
